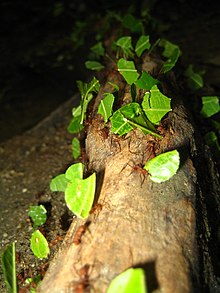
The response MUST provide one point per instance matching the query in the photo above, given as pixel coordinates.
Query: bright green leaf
(76, 151)
(210, 106)
(94, 65)
(130, 281)
(127, 70)
(9, 268)
(39, 245)
(59, 183)
(155, 105)
(164, 166)
(75, 171)
(195, 80)
(38, 215)
(105, 106)
(79, 195)
(135, 25)
(146, 81)
(126, 46)
(142, 44)
(172, 52)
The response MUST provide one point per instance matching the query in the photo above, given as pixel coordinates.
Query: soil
(34, 148)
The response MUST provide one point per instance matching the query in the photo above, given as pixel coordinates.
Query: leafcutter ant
(79, 233)
(83, 283)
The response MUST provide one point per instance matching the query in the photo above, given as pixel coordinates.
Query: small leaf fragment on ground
(9, 268)
(38, 215)
(164, 166)
(146, 81)
(39, 245)
(172, 52)
(130, 281)
(195, 80)
(94, 65)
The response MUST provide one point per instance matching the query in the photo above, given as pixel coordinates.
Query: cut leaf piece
(87, 90)
(76, 151)
(75, 171)
(172, 52)
(195, 80)
(79, 195)
(143, 44)
(127, 70)
(129, 117)
(9, 268)
(39, 245)
(130, 281)
(126, 46)
(94, 65)
(38, 215)
(146, 81)
(105, 106)
(164, 166)
(98, 50)
(210, 106)
(212, 140)
(135, 25)
(155, 105)
(59, 183)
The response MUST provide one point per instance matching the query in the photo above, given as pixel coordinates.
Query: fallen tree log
(134, 222)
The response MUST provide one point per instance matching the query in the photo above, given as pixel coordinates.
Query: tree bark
(134, 222)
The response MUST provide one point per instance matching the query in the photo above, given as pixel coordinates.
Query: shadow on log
(134, 222)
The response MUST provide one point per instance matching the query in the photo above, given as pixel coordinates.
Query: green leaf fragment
(212, 140)
(210, 106)
(142, 44)
(164, 166)
(146, 81)
(155, 105)
(98, 50)
(87, 90)
(38, 215)
(126, 46)
(130, 281)
(114, 85)
(94, 65)
(127, 70)
(59, 183)
(9, 268)
(76, 151)
(79, 195)
(172, 52)
(105, 106)
(74, 125)
(39, 245)
(75, 171)
(129, 117)
(135, 25)
(195, 80)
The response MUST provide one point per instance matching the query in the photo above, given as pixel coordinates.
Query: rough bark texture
(136, 223)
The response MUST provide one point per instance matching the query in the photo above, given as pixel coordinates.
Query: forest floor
(30, 155)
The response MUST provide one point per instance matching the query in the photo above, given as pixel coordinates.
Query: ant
(56, 240)
(96, 209)
(138, 169)
(79, 233)
(83, 283)
(104, 132)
